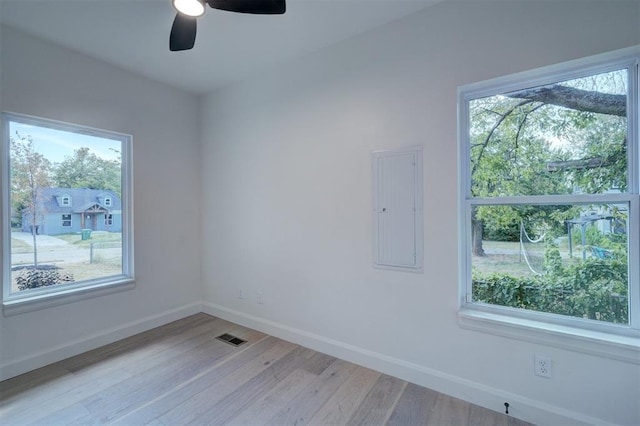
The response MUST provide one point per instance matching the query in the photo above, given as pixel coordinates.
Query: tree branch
(493, 129)
(578, 99)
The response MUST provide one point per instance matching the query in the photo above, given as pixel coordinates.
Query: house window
(108, 219)
(107, 202)
(549, 196)
(41, 168)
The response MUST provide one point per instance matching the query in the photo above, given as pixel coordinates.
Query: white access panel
(397, 209)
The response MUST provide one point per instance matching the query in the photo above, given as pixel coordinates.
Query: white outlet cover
(542, 366)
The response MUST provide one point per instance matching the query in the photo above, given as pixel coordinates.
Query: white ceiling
(134, 34)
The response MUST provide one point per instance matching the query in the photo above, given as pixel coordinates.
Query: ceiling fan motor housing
(184, 28)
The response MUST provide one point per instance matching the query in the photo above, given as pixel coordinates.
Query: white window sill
(621, 348)
(23, 304)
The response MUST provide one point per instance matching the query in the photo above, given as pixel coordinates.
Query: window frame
(605, 339)
(44, 297)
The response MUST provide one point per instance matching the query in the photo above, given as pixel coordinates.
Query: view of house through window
(66, 205)
(550, 197)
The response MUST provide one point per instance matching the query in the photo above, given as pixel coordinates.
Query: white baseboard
(485, 396)
(75, 347)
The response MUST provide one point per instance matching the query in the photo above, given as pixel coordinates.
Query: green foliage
(595, 289)
(41, 277)
(552, 259)
(501, 223)
(86, 170)
(524, 147)
(30, 171)
(593, 237)
(603, 138)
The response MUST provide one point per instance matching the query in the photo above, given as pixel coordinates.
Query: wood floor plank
(143, 354)
(133, 343)
(482, 417)
(414, 406)
(200, 403)
(267, 406)
(343, 403)
(33, 382)
(181, 345)
(159, 406)
(65, 416)
(231, 406)
(129, 394)
(179, 373)
(449, 409)
(300, 410)
(37, 408)
(377, 406)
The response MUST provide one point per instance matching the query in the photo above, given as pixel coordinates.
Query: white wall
(44, 80)
(287, 192)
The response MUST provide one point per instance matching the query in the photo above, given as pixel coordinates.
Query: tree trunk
(477, 229)
(35, 247)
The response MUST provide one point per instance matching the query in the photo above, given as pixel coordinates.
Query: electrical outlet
(259, 298)
(241, 294)
(542, 366)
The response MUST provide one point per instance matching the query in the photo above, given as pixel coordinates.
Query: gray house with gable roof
(69, 210)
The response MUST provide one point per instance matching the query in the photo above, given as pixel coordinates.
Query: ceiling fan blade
(183, 33)
(261, 7)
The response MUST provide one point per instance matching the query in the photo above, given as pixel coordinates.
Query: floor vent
(232, 340)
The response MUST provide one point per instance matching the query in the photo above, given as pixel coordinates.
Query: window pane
(564, 138)
(562, 259)
(61, 231)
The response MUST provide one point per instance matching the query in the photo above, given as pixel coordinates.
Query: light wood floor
(179, 374)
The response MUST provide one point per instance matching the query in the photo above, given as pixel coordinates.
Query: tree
(513, 151)
(30, 171)
(509, 157)
(86, 170)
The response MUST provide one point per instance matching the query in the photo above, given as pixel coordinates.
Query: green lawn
(505, 257)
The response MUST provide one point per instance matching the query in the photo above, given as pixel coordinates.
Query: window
(57, 171)
(107, 202)
(549, 196)
(397, 209)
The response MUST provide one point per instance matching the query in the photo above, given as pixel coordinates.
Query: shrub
(41, 277)
(596, 289)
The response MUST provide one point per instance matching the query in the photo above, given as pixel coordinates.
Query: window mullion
(584, 199)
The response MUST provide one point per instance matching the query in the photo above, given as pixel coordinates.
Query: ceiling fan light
(193, 8)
